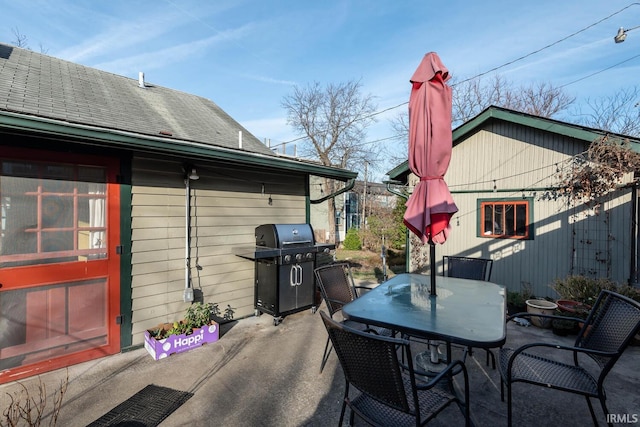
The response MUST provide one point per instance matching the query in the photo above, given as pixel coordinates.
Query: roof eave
(131, 141)
(549, 125)
(582, 133)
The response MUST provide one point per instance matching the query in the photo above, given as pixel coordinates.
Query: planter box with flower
(197, 328)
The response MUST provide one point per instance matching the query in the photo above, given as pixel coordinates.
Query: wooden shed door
(59, 274)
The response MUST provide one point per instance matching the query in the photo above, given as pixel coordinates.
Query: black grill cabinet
(284, 262)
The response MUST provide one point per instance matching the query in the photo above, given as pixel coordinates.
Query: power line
(601, 71)
(530, 187)
(512, 62)
(559, 87)
(549, 45)
(364, 143)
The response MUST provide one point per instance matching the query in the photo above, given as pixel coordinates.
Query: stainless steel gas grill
(285, 256)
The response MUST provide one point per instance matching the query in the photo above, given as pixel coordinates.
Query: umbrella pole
(432, 264)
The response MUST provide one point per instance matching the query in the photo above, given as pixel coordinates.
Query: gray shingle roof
(35, 84)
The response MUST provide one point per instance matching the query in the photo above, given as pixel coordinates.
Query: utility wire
(405, 103)
(513, 62)
(549, 45)
(601, 71)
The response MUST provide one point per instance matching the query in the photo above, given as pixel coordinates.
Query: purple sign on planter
(159, 349)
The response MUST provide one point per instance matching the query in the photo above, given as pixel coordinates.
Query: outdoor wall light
(193, 175)
(190, 173)
(622, 34)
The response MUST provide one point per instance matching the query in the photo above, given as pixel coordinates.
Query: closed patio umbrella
(430, 206)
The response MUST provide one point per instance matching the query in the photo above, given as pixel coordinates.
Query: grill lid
(283, 240)
(284, 235)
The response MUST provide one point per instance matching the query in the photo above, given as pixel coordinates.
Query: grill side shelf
(256, 252)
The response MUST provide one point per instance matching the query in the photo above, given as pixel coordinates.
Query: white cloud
(121, 36)
(266, 79)
(162, 57)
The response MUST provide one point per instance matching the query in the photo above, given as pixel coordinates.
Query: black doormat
(147, 408)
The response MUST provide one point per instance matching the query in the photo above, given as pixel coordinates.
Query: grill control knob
(298, 257)
(287, 258)
(309, 255)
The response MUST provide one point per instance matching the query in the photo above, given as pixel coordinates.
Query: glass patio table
(466, 312)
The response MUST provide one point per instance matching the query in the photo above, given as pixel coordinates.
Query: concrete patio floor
(259, 374)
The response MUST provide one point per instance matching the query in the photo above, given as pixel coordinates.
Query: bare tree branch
(601, 170)
(619, 113)
(20, 39)
(471, 97)
(333, 120)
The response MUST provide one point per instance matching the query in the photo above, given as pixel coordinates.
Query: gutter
(348, 186)
(91, 135)
(396, 192)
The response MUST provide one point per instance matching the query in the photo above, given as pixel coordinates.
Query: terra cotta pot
(571, 306)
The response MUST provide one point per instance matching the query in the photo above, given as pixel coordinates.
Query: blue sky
(246, 55)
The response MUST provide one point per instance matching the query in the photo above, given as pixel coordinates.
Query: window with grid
(51, 212)
(505, 218)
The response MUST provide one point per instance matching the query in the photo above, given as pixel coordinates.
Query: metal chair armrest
(574, 350)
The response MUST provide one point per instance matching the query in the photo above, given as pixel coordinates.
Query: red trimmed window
(508, 219)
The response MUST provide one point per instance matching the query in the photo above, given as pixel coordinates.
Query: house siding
(226, 206)
(152, 131)
(522, 162)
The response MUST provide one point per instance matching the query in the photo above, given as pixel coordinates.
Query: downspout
(396, 192)
(406, 234)
(635, 233)
(348, 186)
(190, 174)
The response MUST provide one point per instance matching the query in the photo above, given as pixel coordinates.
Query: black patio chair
(385, 391)
(467, 268)
(474, 269)
(338, 288)
(612, 323)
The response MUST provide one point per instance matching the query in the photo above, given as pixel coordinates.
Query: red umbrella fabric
(430, 207)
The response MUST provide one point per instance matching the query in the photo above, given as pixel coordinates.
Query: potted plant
(541, 306)
(516, 300)
(570, 306)
(197, 328)
(580, 292)
(564, 327)
(579, 289)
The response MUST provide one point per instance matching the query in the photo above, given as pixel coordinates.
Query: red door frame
(109, 269)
